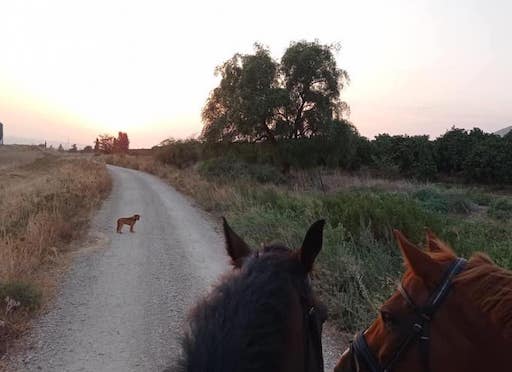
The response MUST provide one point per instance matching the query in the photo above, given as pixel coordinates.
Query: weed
(26, 294)
(501, 209)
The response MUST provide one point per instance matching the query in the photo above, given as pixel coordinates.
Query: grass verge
(45, 204)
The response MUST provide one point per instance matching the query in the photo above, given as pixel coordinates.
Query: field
(46, 201)
(17, 155)
(360, 263)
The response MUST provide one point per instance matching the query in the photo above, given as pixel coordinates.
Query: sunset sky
(70, 70)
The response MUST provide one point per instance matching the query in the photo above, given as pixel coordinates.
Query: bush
(229, 169)
(444, 202)
(25, 293)
(380, 212)
(180, 153)
(501, 209)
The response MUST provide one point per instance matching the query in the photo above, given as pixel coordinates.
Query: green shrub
(501, 209)
(380, 212)
(180, 153)
(229, 169)
(26, 294)
(444, 202)
(480, 198)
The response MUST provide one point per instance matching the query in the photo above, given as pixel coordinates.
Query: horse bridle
(312, 335)
(420, 326)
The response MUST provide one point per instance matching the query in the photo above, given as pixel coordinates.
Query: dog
(127, 221)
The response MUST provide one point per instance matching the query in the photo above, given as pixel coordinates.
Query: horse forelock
(243, 323)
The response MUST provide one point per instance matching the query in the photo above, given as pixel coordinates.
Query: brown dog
(127, 221)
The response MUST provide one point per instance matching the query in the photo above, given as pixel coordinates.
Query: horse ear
(417, 260)
(236, 247)
(312, 245)
(433, 242)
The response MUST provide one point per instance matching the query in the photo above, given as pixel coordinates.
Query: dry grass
(334, 180)
(12, 156)
(211, 196)
(45, 204)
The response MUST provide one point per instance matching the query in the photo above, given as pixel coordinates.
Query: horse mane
(491, 289)
(242, 325)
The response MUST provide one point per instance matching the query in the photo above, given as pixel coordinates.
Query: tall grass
(360, 263)
(43, 206)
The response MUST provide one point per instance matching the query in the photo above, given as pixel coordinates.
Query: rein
(420, 326)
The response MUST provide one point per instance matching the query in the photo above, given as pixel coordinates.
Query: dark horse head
(263, 316)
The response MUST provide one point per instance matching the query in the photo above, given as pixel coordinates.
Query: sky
(70, 70)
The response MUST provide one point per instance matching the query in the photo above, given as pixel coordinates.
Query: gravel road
(122, 304)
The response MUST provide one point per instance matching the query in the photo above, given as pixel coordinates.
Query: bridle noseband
(420, 326)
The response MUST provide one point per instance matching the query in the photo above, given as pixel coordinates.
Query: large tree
(314, 84)
(258, 99)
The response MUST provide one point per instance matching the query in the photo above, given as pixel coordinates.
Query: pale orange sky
(74, 69)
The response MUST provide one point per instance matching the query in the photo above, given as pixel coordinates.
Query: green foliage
(229, 169)
(26, 294)
(360, 263)
(379, 212)
(179, 153)
(452, 149)
(313, 82)
(260, 100)
(489, 160)
(295, 106)
(409, 156)
(356, 277)
(444, 202)
(501, 209)
(242, 106)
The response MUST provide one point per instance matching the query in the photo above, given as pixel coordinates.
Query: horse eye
(387, 318)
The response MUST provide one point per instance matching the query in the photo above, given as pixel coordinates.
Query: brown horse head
(263, 315)
(447, 315)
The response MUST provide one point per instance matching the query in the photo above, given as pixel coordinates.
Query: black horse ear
(312, 245)
(236, 247)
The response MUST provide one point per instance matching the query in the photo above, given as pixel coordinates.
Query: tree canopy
(109, 144)
(259, 99)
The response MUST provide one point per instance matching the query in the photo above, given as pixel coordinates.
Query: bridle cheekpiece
(420, 329)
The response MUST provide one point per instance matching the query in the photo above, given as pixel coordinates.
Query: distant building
(1, 134)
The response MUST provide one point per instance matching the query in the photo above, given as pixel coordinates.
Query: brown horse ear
(433, 242)
(417, 260)
(312, 245)
(236, 247)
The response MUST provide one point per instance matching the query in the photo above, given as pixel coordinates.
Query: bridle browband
(420, 326)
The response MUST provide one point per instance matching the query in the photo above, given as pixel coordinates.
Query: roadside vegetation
(277, 151)
(45, 204)
(360, 263)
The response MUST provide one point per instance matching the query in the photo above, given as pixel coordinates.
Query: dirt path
(122, 304)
